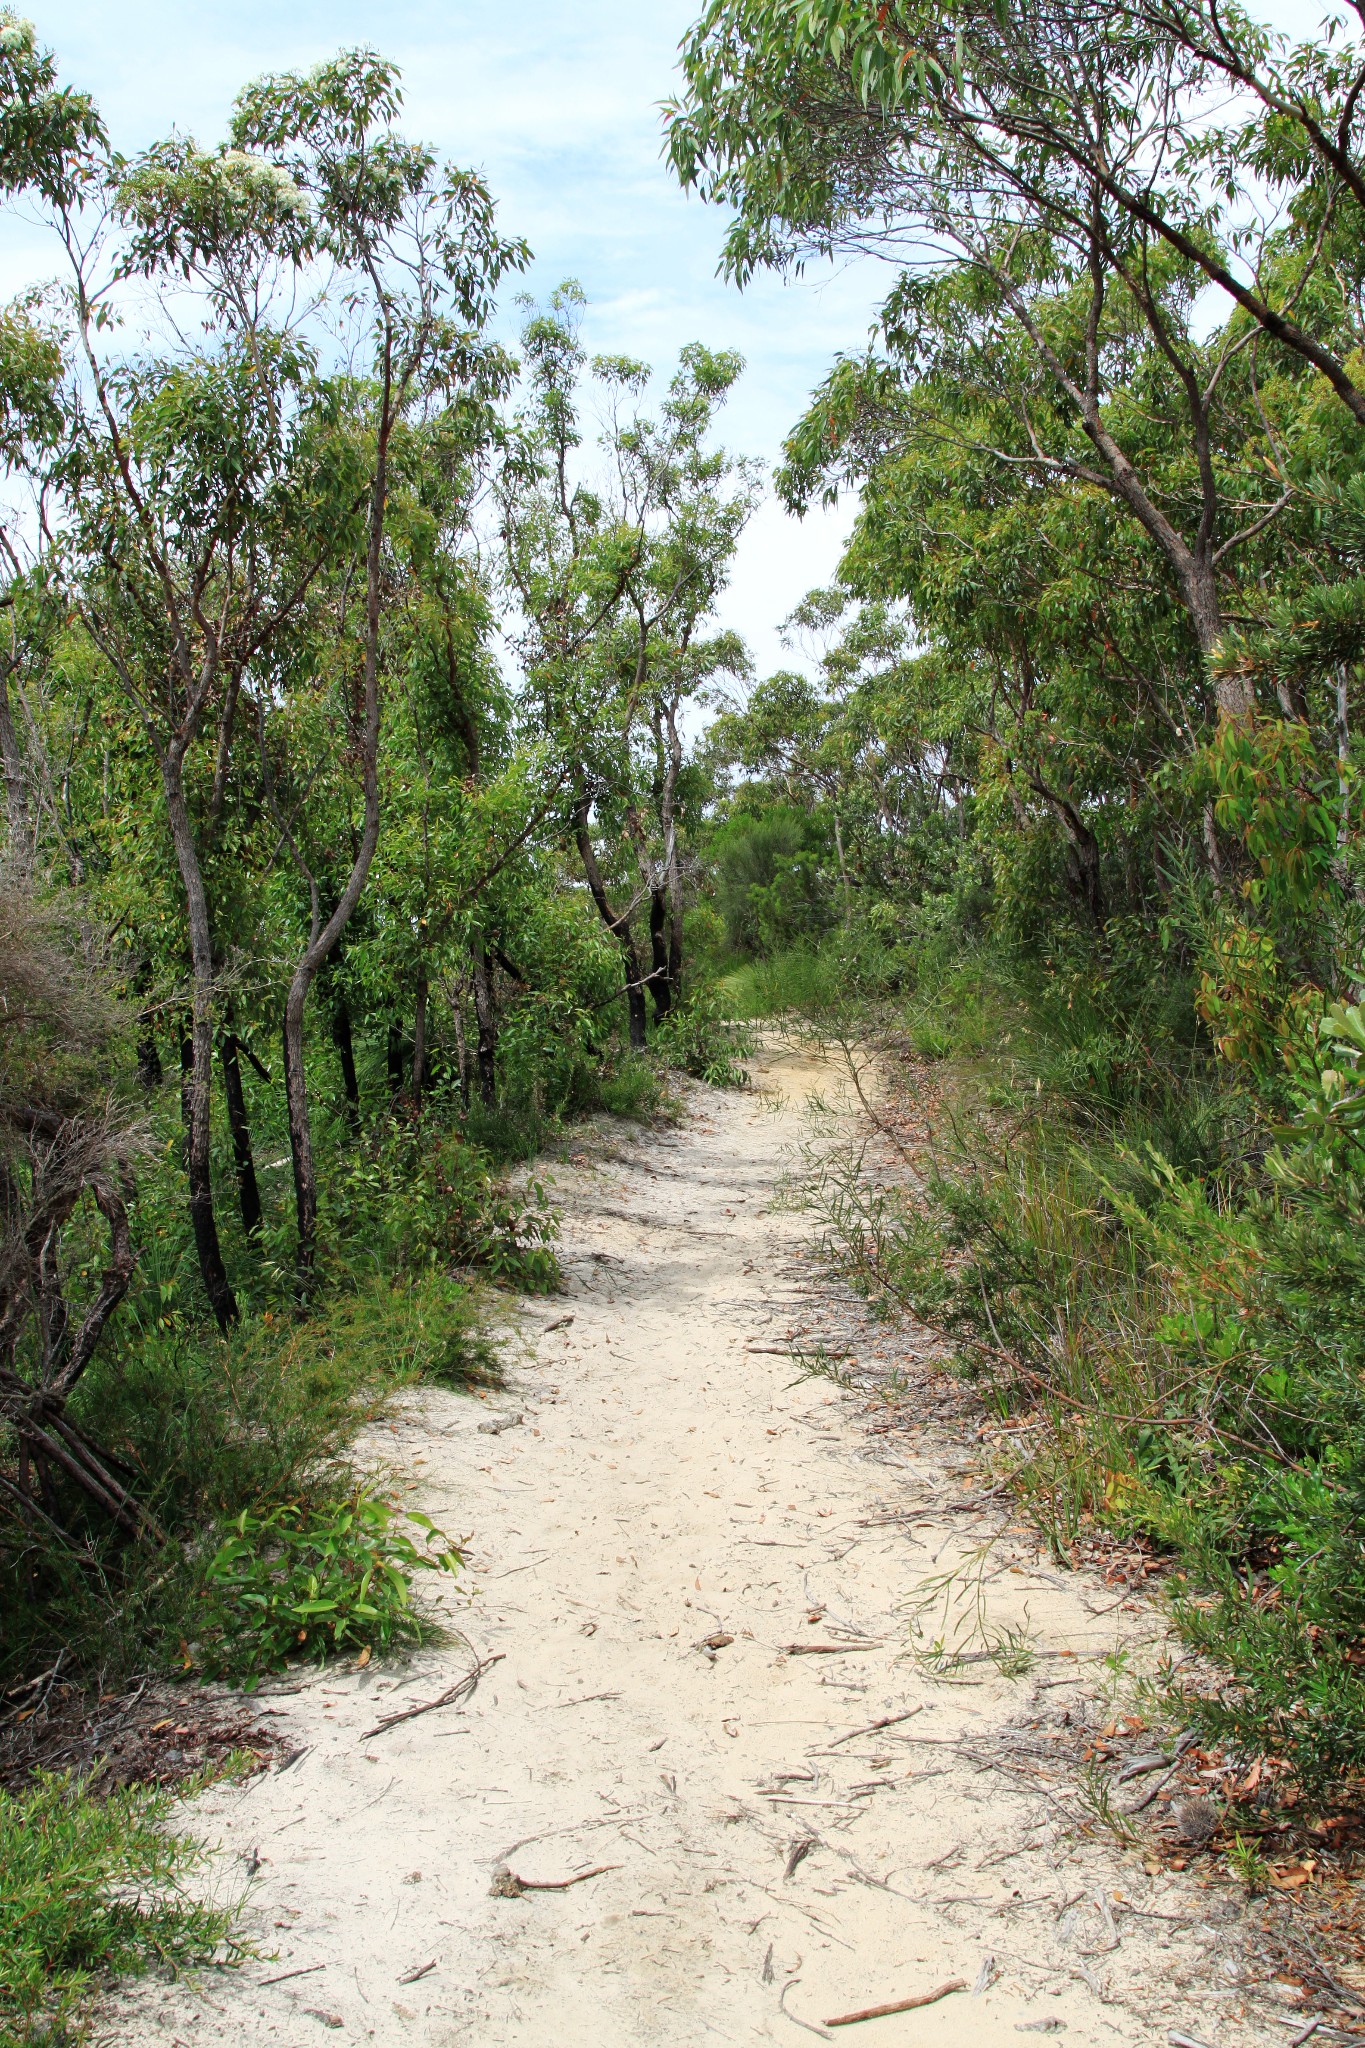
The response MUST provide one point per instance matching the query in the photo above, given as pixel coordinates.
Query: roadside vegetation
(346, 659)
(382, 795)
(1063, 801)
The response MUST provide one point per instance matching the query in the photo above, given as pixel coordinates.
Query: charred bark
(419, 1041)
(197, 1093)
(660, 978)
(248, 1190)
(345, 1045)
(618, 924)
(395, 1060)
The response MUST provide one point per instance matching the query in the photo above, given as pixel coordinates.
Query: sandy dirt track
(670, 1480)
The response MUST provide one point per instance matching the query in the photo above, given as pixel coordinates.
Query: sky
(557, 102)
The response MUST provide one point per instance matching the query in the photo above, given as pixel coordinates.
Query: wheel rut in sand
(697, 1571)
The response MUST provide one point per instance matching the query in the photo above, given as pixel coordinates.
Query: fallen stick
(414, 1976)
(786, 1351)
(887, 1721)
(307, 1971)
(507, 1885)
(449, 1698)
(881, 2012)
(824, 1649)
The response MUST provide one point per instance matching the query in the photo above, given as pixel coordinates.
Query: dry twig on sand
(453, 1694)
(825, 1649)
(507, 1885)
(881, 2012)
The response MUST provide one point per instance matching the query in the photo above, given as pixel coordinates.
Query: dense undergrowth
(1155, 1271)
(262, 1545)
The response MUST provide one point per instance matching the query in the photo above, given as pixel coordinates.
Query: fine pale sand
(768, 1867)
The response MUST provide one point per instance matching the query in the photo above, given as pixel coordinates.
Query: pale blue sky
(558, 104)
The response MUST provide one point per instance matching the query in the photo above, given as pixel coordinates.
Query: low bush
(703, 1039)
(212, 1425)
(313, 1580)
(89, 1887)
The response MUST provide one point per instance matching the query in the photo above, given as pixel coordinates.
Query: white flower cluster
(269, 181)
(17, 37)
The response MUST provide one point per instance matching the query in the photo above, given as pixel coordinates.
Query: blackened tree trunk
(461, 1049)
(486, 1016)
(660, 978)
(419, 1041)
(248, 1191)
(672, 862)
(618, 924)
(394, 1060)
(324, 936)
(345, 1045)
(148, 1058)
(198, 1084)
(1082, 852)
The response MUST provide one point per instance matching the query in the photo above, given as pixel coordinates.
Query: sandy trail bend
(769, 1868)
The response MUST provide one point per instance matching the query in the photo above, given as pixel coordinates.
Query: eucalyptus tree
(50, 136)
(1019, 264)
(418, 257)
(826, 122)
(200, 499)
(616, 576)
(340, 280)
(465, 791)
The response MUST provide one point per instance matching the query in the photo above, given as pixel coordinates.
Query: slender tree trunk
(248, 1192)
(1084, 852)
(672, 862)
(485, 1012)
(198, 1092)
(16, 781)
(419, 1041)
(323, 937)
(1083, 849)
(843, 869)
(148, 1058)
(618, 926)
(1212, 851)
(345, 1045)
(461, 1048)
(660, 980)
(393, 1060)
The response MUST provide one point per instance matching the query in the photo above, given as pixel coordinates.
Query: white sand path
(668, 1482)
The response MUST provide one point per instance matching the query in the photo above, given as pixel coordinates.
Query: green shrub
(703, 1040)
(634, 1087)
(312, 1581)
(1115, 1237)
(89, 1887)
(423, 1196)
